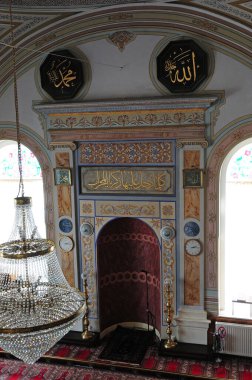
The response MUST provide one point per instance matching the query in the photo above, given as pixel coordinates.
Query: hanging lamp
(37, 305)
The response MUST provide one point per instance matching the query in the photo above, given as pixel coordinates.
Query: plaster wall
(27, 93)
(121, 74)
(235, 79)
(127, 74)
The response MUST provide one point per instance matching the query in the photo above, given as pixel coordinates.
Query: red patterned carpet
(14, 370)
(70, 362)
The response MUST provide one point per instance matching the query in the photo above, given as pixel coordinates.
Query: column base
(192, 326)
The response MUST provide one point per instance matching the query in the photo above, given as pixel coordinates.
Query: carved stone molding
(181, 143)
(123, 16)
(179, 118)
(62, 146)
(154, 213)
(205, 24)
(128, 119)
(3, 134)
(121, 39)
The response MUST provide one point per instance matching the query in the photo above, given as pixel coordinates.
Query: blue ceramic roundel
(65, 225)
(191, 229)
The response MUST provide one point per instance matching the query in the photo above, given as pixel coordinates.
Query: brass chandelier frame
(32, 285)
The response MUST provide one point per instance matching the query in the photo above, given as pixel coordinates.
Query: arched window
(9, 185)
(235, 235)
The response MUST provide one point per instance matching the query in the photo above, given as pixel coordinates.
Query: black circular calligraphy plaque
(182, 66)
(61, 75)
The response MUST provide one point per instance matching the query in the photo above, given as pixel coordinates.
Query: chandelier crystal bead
(37, 305)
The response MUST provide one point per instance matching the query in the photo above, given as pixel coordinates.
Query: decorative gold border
(133, 180)
(62, 146)
(156, 214)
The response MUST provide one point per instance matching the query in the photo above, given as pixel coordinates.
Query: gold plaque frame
(193, 178)
(62, 176)
(136, 180)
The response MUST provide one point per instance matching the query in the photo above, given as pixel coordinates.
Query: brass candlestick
(86, 334)
(169, 343)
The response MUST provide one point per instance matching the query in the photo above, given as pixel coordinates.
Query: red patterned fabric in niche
(128, 261)
(172, 366)
(150, 362)
(63, 351)
(221, 372)
(197, 369)
(83, 354)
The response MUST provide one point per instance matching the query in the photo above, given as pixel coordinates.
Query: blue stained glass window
(9, 163)
(240, 166)
(9, 184)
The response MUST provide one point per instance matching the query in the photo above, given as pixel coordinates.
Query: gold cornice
(62, 145)
(125, 134)
(174, 117)
(180, 143)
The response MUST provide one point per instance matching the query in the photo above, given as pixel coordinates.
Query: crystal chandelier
(37, 305)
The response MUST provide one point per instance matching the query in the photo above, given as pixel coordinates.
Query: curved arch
(234, 205)
(82, 27)
(128, 257)
(227, 142)
(147, 222)
(40, 152)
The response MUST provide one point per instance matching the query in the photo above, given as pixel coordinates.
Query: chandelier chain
(37, 305)
(21, 183)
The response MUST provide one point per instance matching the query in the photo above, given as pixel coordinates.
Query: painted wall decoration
(192, 210)
(140, 180)
(127, 152)
(64, 207)
(182, 66)
(100, 214)
(61, 75)
(128, 208)
(127, 119)
(121, 39)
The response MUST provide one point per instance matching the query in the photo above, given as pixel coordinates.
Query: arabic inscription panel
(182, 66)
(61, 75)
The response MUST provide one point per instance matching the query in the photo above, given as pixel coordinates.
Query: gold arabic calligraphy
(61, 75)
(136, 180)
(194, 178)
(182, 67)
